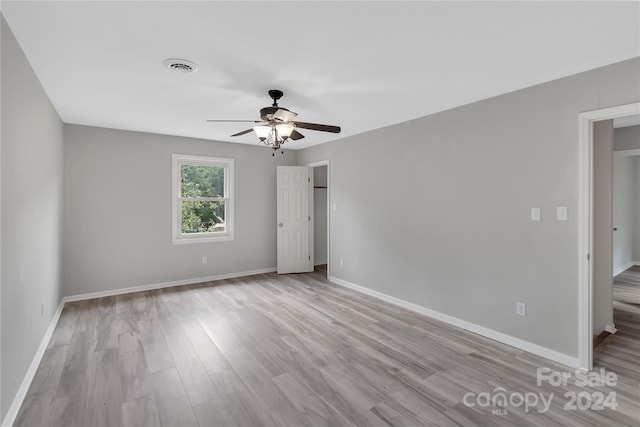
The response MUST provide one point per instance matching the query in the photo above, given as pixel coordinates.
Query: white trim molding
(12, 413)
(625, 268)
(536, 349)
(624, 153)
(585, 224)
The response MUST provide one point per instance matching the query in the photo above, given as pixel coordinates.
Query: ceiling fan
(276, 124)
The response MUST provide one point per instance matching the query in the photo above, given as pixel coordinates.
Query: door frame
(311, 166)
(585, 224)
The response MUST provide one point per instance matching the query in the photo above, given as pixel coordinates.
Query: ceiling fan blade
(316, 126)
(236, 121)
(243, 132)
(295, 135)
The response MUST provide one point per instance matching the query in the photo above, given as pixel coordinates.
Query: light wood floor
(294, 350)
(626, 286)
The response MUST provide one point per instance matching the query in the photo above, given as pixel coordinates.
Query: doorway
(320, 231)
(626, 213)
(586, 225)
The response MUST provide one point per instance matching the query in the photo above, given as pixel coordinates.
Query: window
(202, 199)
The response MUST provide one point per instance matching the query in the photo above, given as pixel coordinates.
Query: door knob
(280, 225)
(615, 228)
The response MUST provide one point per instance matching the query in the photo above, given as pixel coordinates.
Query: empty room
(319, 213)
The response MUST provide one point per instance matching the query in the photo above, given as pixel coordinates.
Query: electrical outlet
(341, 262)
(41, 310)
(521, 308)
(204, 259)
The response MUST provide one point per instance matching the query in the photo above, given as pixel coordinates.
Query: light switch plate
(562, 213)
(535, 214)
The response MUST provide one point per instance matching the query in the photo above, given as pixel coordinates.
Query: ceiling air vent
(180, 65)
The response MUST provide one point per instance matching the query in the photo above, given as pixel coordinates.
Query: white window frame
(178, 237)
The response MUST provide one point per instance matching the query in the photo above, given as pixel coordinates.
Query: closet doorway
(320, 214)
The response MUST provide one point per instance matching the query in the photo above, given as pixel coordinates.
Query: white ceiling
(361, 65)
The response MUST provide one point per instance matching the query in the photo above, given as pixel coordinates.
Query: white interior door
(293, 220)
(602, 226)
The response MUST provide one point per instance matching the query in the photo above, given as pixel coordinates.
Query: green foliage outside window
(204, 183)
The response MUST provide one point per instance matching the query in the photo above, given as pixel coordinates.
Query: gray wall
(602, 225)
(118, 210)
(447, 226)
(627, 138)
(31, 226)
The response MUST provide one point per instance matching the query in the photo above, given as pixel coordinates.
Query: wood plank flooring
(626, 286)
(620, 352)
(295, 350)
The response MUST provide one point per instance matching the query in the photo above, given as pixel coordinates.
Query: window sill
(184, 240)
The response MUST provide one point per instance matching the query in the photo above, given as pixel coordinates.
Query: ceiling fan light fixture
(262, 132)
(284, 130)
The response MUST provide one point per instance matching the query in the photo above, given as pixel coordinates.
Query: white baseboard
(620, 270)
(539, 350)
(121, 291)
(12, 413)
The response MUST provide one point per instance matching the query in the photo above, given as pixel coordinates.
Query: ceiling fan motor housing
(266, 113)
